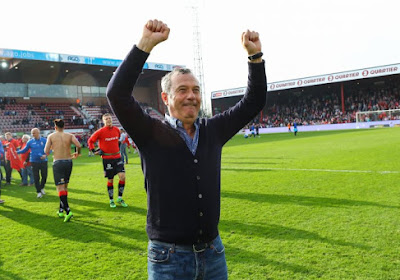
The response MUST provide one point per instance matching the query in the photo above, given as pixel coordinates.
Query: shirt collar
(175, 123)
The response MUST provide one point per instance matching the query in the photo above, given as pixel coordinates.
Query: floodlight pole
(197, 57)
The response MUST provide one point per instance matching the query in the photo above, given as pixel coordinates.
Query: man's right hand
(154, 32)
(97, 152)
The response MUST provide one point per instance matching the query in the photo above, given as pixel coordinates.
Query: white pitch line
(316, 170)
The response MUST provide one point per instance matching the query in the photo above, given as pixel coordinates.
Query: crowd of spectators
(6, 101)
(315, 108)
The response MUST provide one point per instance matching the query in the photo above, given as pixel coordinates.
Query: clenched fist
(251, 42)
(154, 32)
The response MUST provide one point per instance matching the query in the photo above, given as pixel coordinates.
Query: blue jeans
(27, 171)
(169, 261)
(124, 155)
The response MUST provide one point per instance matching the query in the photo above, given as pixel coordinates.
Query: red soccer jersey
(108, 141)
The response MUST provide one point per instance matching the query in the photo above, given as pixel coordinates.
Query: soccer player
(108, 137)
(60, 142)
(38, 159)
(295, 128)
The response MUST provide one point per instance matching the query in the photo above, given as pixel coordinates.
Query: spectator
(27, 170)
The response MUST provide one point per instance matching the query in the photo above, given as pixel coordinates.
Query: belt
(197, 247)
(110, 154)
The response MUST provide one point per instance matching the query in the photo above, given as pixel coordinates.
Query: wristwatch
(255, 56)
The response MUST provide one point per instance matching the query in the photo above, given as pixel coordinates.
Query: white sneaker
(42, 191)
(39, 195)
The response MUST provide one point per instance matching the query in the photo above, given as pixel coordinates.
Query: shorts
(62, 171)
(112, 167)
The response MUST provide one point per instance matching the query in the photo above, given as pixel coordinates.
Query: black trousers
(3, 162)
(40, 179)
(8, 169)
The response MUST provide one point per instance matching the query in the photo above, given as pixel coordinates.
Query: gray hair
(166, 80)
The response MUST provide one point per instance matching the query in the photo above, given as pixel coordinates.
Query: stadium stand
(323, 104)
(57, 85)
(94, 112)
(319, 108)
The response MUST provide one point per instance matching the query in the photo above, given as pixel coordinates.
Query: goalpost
(380, 115)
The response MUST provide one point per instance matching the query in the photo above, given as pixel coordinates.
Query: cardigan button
(195, 160)
(201, 214)
(198, 177)
(200, 195)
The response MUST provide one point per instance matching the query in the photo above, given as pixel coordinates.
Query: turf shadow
(30, 196)
(278, 232)
(257, 162)
(76, 231)
(301, 200)
(238, 255)
(246, 169)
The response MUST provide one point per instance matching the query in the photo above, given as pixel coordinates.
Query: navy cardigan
(183, 190)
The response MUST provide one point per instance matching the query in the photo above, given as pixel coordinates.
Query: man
(12, 159)
(60, 142)
(252, 130)
(27, 170)
(108, 138)
(38, 160)
(122, 146)
(1, 155)
(295, 128)
(181, 158)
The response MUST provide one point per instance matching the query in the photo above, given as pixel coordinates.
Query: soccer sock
(64, 200)
(121, 187)
(110, 189)
(61, 207)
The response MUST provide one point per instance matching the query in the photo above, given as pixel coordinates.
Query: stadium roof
(22, 66)
(365, 73)
(14, 56)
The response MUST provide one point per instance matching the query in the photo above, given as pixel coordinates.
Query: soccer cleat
(122, 202)
(61, 214)
(1, 201)
(68, 217)
(112, 204)
(39, 195)
(42, 191)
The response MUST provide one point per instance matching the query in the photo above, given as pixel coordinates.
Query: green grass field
(322, 205)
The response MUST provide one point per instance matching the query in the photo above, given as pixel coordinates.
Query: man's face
(184, 100)
(8, 137)
(107, 120)
(35, 133)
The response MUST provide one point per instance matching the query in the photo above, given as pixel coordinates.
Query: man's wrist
(258, 60)
(145, 45)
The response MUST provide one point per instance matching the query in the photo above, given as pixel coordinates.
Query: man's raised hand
(154, 32)
(251, 42)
